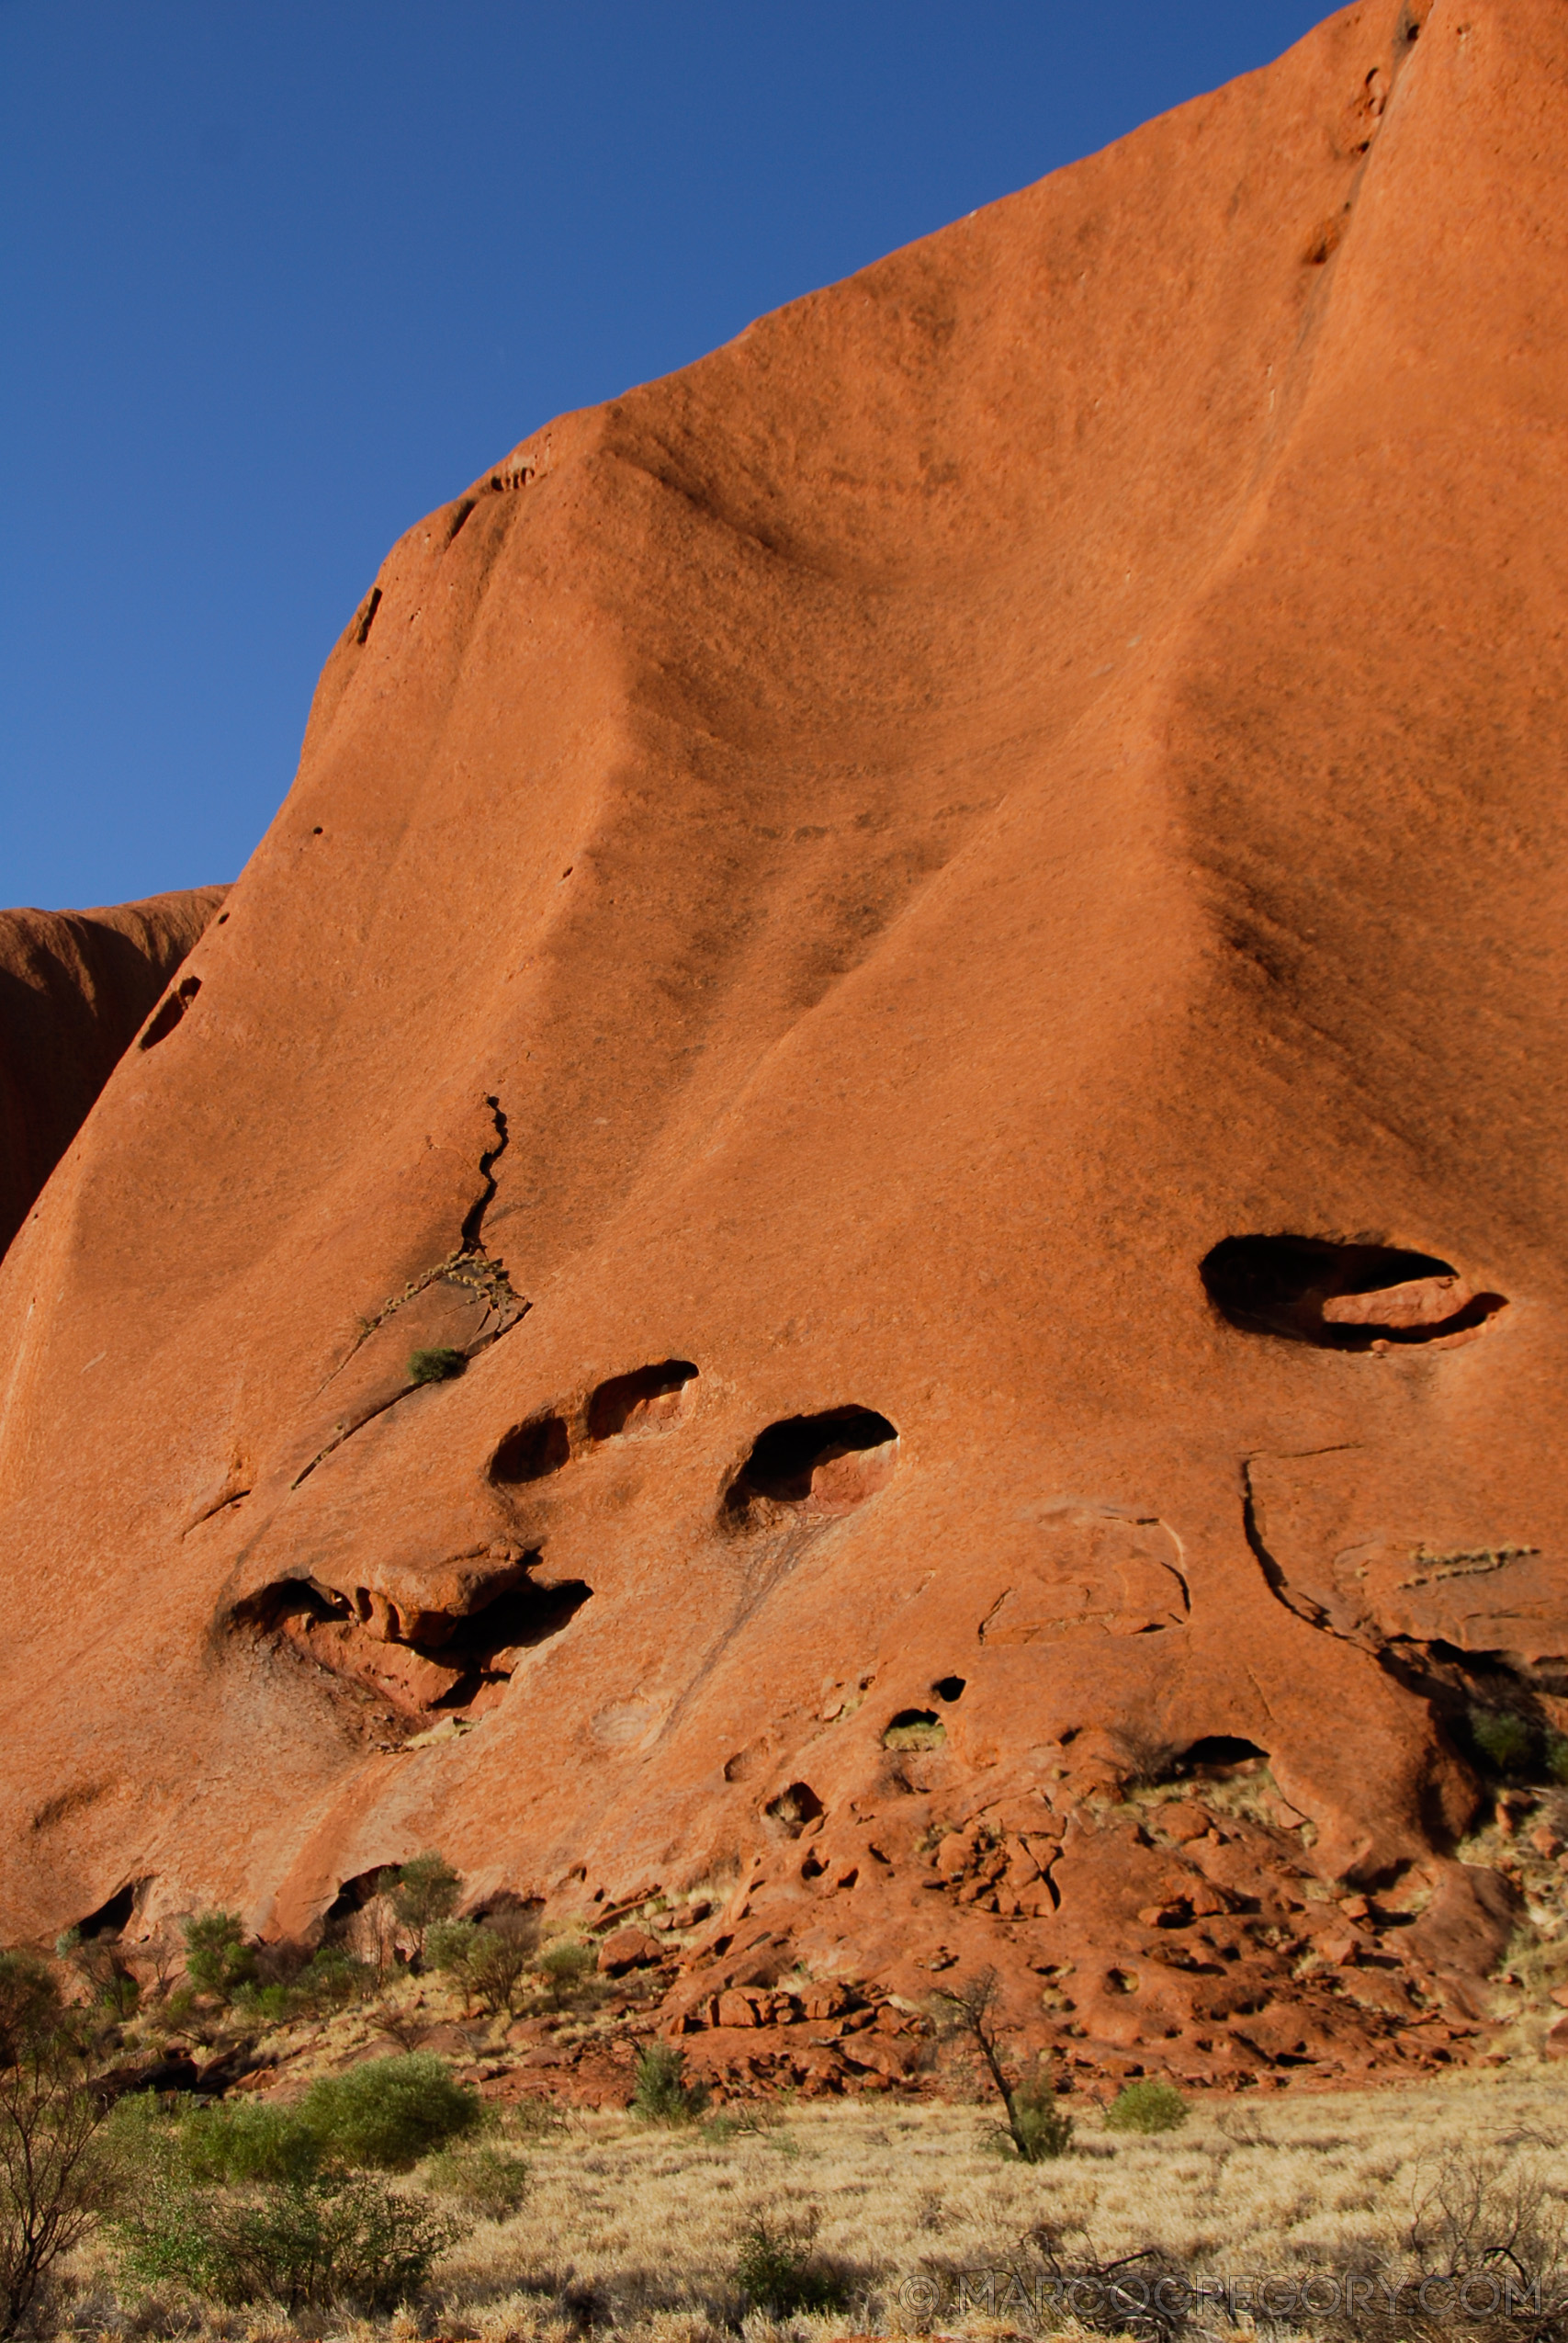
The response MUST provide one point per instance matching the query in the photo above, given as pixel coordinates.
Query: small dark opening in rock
(110, 1919)
(1217, 1753)
(915, 1728)
(787, 1459)
(353, 1895)
(519, 1620)
(533, 1450)
(1340, 1296)
(639, 1401)
(795, 1808)
(166, 1018)
(949, 1688)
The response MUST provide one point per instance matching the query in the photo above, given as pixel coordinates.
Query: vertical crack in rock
(469, 1265)
(473, 1223)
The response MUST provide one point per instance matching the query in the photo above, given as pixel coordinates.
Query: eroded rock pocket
(168, 1015)
(647, 1400)
(532, 1450)
(1342, 1296)
(424, 1664)
(814, 1467)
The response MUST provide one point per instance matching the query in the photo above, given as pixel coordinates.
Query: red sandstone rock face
(75, 987)
(934, 947)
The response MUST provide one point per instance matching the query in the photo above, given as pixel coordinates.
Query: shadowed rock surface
(75, 987)
(926, 961)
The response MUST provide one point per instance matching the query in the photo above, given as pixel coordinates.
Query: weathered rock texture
(936, 945)
(75, 987)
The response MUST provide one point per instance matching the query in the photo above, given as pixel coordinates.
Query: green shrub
(662, 2093)
(490, 1965)
(565, 1966)
(1039, 2127)
(1504, 1741)
(56, 2178)
(97, 1961)
(272, 2004)
(217, 1959)
(435, 1365)
(423, 1890)
(1147, 2105)
(298, 2245)
(1557, 1757)
(776, 2271)
(391, 2111)
(32, 2009)
(247, 2140)
(330, 1977)
(488, 2181)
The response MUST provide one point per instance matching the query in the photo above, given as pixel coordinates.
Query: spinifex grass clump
(488, 2181)
(1147, 2105)
(435, 1365)
(779, 2273)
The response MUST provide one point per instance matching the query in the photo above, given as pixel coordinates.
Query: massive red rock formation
(935, 949)
(75, 987)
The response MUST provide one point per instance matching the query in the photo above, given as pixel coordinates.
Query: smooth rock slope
(75, 987)
(936, 946)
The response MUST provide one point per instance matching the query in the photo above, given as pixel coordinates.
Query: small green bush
(487, 1964)
(32, 2009)
(1557, 1757)
(435, 1365)
(330, 1977)
(1147, 2105)
(300, 2245)
(1505, 1742)
(488, 2181)
(1040, 2128)
(426, 1888)
(662, 2093)
(247, 2140)
(391, 2111)
(565, 1966)
(776, 2271)
(217, 1959)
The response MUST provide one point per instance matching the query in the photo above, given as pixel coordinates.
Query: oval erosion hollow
(1342, 1296)
(426, 1665)
(814, 1467)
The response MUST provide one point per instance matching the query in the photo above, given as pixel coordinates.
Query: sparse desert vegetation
(229, 2140)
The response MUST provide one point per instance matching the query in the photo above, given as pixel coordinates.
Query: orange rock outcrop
(74, 988)
(857, 1243)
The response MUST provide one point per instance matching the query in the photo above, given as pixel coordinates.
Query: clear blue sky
(275, 279)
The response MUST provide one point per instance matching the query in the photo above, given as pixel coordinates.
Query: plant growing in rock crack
(435, 1365)
(1037, 2128)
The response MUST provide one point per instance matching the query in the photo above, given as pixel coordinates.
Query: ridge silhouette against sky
(274, 282)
